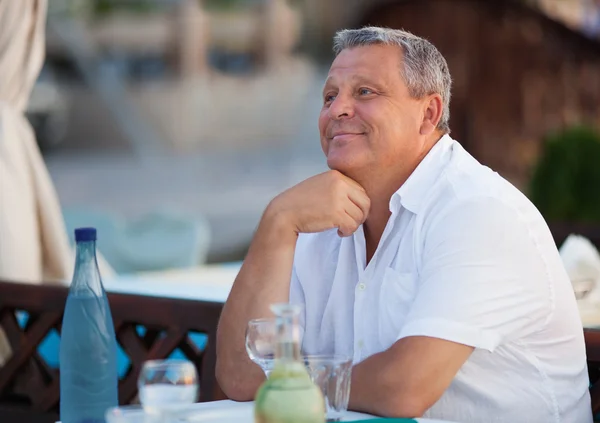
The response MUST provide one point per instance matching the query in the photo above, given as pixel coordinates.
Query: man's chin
(350, 169)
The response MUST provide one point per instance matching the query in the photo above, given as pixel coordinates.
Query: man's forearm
(264, 279)
(375, 388)
(408, 378)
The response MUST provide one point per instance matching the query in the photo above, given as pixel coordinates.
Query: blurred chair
(158, 240)
(163, 240)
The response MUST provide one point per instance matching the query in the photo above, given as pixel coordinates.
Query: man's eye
(365, 91)
(329, 98)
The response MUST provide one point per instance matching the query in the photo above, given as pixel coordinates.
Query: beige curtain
(33, 242)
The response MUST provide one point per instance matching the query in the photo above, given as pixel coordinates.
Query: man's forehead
(349, 74)
(365, 62)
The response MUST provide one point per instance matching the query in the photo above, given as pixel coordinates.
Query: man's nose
(342, 107)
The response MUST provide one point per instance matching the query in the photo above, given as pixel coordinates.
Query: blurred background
(170, 124)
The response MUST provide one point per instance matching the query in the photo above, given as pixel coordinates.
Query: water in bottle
(88, 348)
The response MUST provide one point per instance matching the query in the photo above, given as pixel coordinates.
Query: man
(437, 276)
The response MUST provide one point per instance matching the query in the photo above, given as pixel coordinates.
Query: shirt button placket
(360, 345)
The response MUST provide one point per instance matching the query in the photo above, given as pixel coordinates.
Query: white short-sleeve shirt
(467, 258)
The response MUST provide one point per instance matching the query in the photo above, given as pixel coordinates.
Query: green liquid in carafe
(289, 396)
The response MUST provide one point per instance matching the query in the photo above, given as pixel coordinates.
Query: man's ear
(432, 113)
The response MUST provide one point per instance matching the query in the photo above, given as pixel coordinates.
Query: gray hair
(425, 69)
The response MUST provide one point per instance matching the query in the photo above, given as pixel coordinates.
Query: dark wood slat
(47, 373)
(50, 396)
(189, 348)
(36, 373)
(166, 344)
(128, 388)
(209, 389)
(151, 336)
(27, 347)
(131, 344)
(137, 353)
(15, 414)
(9, 323)
(32, 320)
(592, 344)
(197, 316)
(33, 382)
(161, 348)
(592, 347)
(33, 298)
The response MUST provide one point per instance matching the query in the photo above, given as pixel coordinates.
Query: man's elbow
(233, 384)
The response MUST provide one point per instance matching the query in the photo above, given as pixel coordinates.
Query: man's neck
(379, 214)
(373, 230)
(380, 189)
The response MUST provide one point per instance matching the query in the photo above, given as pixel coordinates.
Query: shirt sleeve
(483, 277)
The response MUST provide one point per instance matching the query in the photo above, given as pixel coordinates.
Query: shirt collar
(412, 192)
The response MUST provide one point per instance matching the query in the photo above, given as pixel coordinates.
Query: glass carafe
(288, 395)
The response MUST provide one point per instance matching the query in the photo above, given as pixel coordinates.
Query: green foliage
(106, 7)
(227, 5)
(232, 5)
(566, 181)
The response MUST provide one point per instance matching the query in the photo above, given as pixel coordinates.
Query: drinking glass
(166, 387)
(260, 343)
(332, 373)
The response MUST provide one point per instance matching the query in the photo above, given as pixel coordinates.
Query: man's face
(369, 123)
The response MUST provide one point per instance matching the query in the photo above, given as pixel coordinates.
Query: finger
(362, 201)
(347, 225)
(355, 212)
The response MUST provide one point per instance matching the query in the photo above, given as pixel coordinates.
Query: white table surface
(226, 412)
(204, 283)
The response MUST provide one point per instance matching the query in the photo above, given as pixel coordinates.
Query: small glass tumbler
(166, 387)
(332, 373)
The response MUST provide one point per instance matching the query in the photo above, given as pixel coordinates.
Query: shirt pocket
(397, 294)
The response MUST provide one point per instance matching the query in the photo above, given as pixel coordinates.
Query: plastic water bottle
(88, 347)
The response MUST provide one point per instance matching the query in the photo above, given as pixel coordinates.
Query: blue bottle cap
(85, 234)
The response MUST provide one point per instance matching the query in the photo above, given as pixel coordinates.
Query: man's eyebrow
(356, 79)
(366, 80)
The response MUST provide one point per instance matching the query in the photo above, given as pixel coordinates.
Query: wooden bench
(29, 387)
